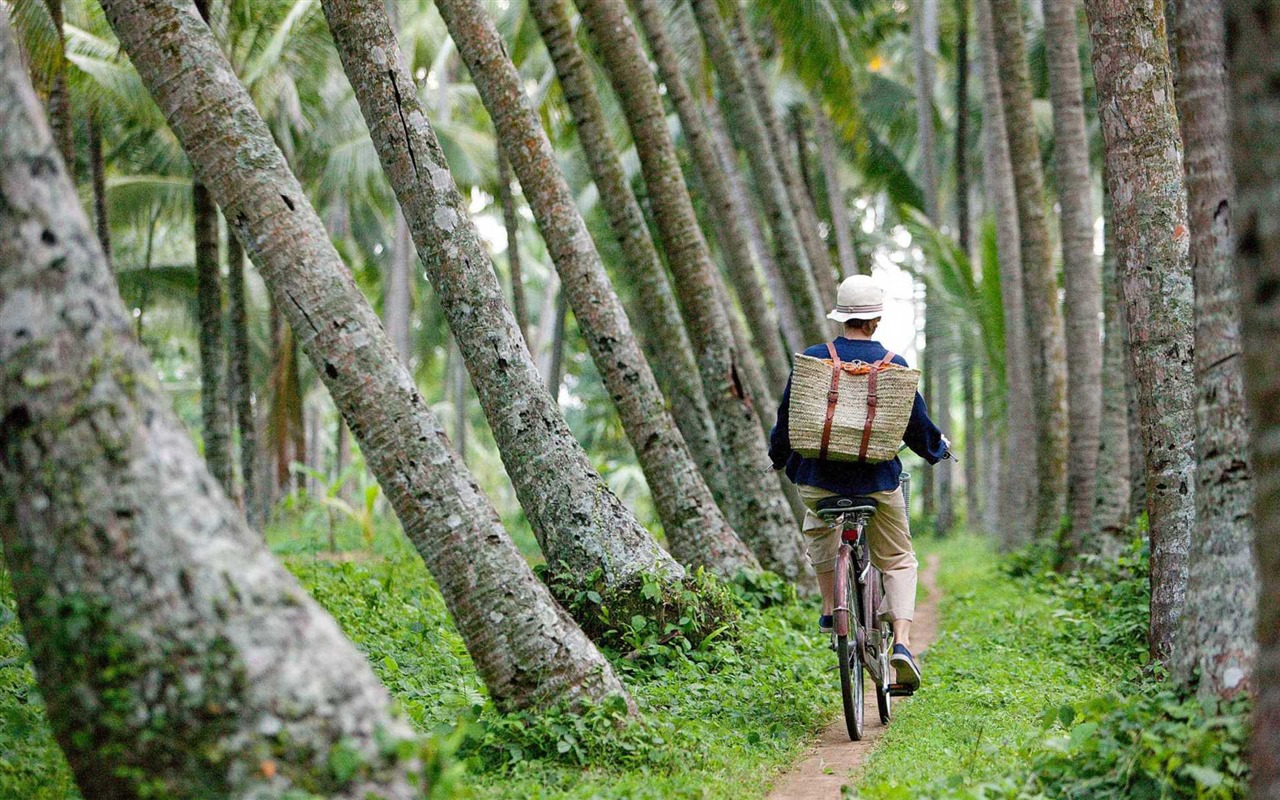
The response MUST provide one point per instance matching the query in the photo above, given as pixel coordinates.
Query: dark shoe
(826, 624)
(905, 669)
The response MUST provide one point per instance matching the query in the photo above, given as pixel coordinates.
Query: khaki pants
(888, 538)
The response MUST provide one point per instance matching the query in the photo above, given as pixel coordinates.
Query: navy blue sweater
(851, 477)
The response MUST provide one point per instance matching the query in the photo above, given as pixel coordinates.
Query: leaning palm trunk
(694, 524)
(1111, 515)
(489, 588)
(1144, 175)
(125, 553)
(1255, 65)
(662, 331)
(1048, 355)
(730, 227)
(240, 380)
(213, 385)
(747, 211)
(830, 161)
(1018, 456)
(801, 202)
(1083, 303)
(1217, 635)
(766, 524)
(748, 128)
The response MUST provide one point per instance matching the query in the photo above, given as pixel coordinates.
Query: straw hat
(859, 297)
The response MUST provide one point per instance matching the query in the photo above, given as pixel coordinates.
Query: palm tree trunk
(98, 174)
(1083, 285)
(747, 211)
(748, 128)
(240, 380)
(692, 521)
(555, 353)
(1222, 585)
(661, 329)
(1112, 515)
(830, 161)
(397, 296)
(805, 216)
(1018, 459)
(1048, 356)
(971, 353)
(729, 226)
(1253, 36)
(486, 583)
(457, 388)
(766, 523)
(1144, 175)
(511, 220)
(121, 547)
(59, 100)
(213, 388)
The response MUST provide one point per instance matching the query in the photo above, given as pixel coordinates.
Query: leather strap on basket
(871, 404)
(833, 394)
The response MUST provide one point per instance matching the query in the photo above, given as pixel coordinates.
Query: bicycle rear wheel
(851, 686)
(871, 610)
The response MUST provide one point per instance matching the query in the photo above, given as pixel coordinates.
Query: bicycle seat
(831, 507)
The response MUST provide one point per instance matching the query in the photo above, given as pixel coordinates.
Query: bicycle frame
(851, 536)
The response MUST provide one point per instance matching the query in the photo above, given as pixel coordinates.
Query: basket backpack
(850, 410)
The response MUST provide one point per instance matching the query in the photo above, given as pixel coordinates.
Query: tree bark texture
(841, 224)
(525, 647)
(1112, 515)
(748, 211)
(1144, 175)
(1048, 354)
(697, 530)
(214, 413)
(1082, 306)
(748, 128)
(662, 331)
(1253, 54)
(1222, 583)
(98, 175)
(1018, 460)
(801, 204)
(240, 380)
(511, 220)
(730, 227)
(174, 654)
(766, 524)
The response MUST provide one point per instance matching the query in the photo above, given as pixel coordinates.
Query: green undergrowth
(1039, 687)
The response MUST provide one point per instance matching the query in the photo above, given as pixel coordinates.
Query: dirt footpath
(833, 759)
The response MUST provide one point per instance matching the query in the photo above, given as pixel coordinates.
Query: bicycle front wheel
(851, 688)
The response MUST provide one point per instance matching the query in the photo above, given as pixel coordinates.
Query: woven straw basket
(810, 387)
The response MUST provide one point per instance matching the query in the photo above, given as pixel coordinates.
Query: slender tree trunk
(1048, 356)
(555, 355)
(240, 379)
(1018, 460)
(747, 210)
(693, 523)
(748, 128)
(935, 484)
(1253, 48)
(1144, 175)
(213, 387)
(730, 228)
(124, 551)
(830, 161)
(806, 218)
(457, 387)
(973, 461)
(485, 582)
(661, 329)
(800, 140)
(512, 222)
(766, 523)
(1081, 279)
(98, 174)
(1113, 514)
(1222, 584)
(59, 101)
(397, 294)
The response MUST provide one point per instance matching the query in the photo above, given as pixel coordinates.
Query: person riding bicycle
(860, 305)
